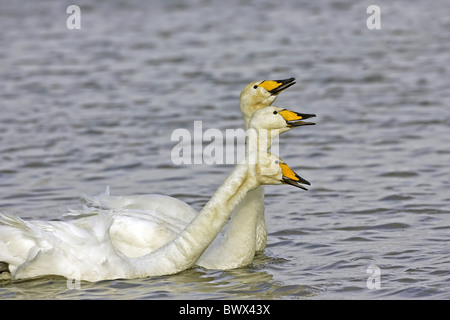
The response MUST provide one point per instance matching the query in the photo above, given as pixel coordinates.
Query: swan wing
(137, 233)
(133, 232)
(78, 249)
(142, 223)
(164, 205)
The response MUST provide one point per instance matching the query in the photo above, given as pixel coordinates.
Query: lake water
(83, 109)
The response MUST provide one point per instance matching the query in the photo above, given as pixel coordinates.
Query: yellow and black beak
(290, 177)
(295, 119)
(276, 86)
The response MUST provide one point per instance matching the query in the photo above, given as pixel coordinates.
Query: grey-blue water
(83, 109)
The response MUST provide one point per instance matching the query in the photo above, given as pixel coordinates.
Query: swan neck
(182, 252)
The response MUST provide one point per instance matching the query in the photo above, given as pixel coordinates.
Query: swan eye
(276, 161)
(275, 112)
(255, 87)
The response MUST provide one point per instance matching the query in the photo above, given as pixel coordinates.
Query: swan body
(82, 249)
(237, 246)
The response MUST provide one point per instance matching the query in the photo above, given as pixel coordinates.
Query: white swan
(84, 251)
(235, 246)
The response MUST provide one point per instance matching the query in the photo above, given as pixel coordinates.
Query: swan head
(272, 170)
(278, 119)
(260, 94)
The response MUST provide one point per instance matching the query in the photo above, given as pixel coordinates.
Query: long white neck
(246, 231)
(254, 201)
(182, 252)
(249, 107)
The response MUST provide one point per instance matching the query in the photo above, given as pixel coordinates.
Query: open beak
(276, 86)
(290, 177)
(295, 119)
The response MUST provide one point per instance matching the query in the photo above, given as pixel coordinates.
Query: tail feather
(7, 219)
(96, 201)
(17, 237)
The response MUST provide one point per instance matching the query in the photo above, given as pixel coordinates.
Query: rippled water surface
(83, 109)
